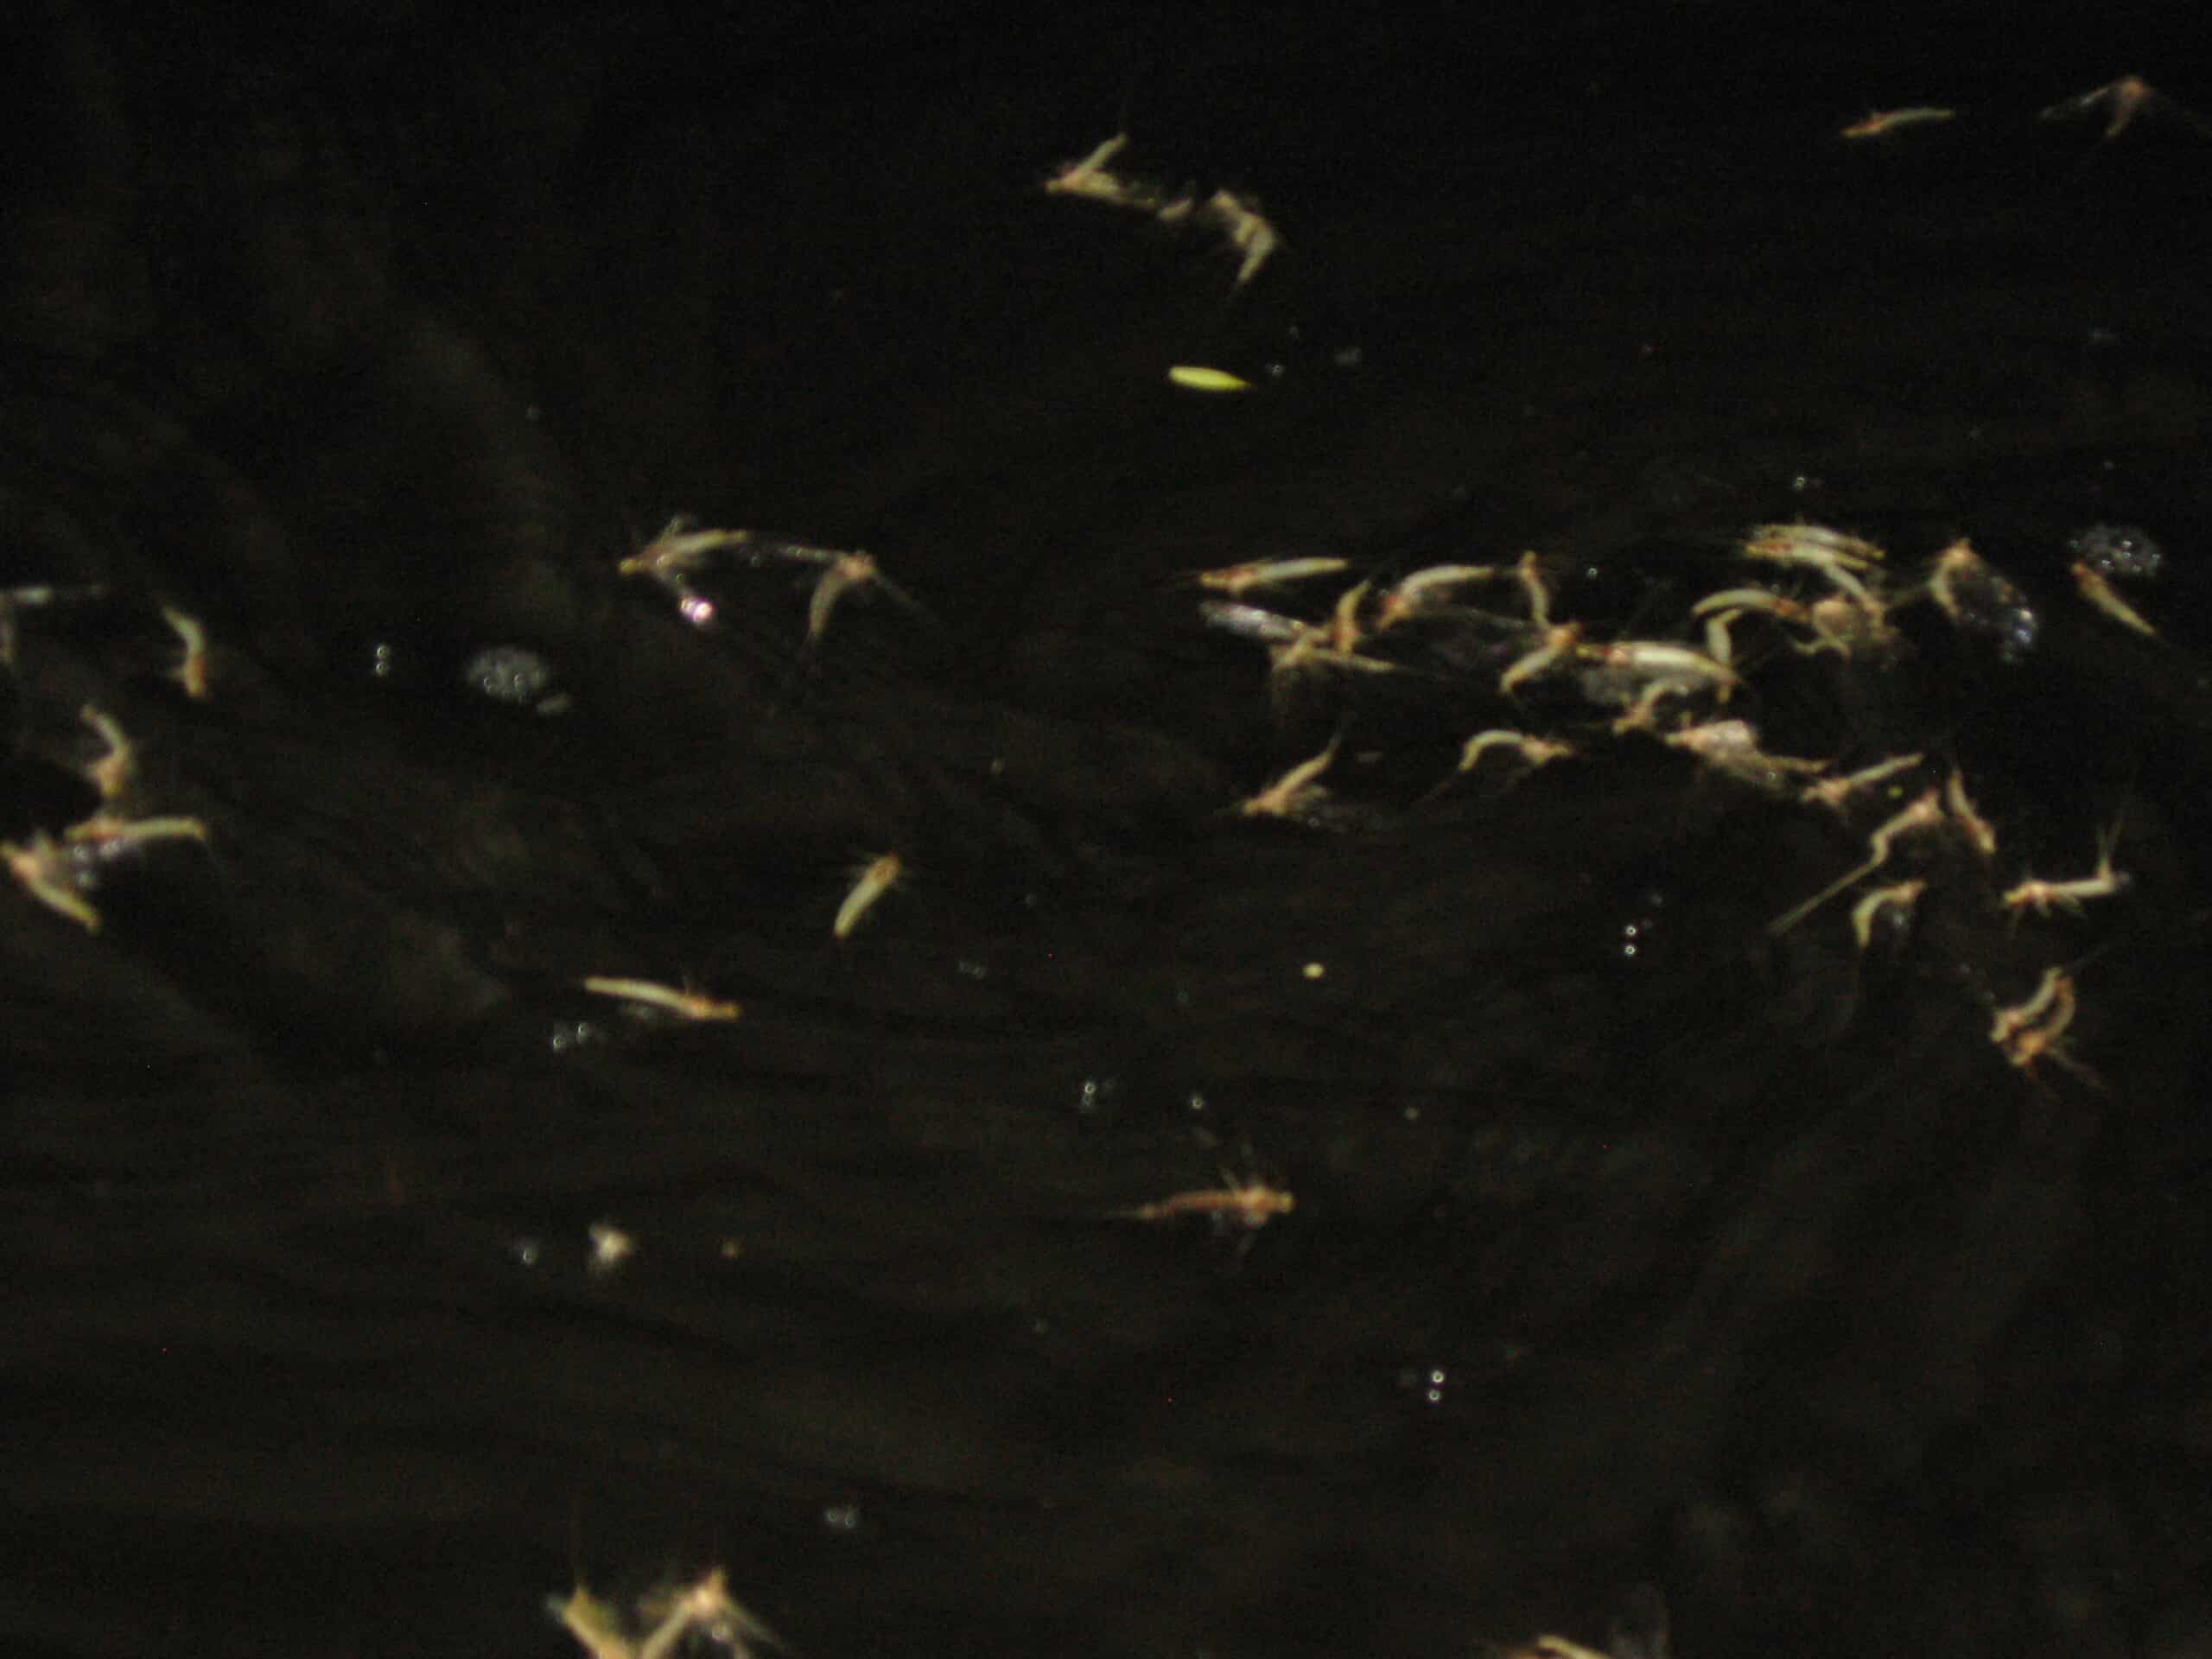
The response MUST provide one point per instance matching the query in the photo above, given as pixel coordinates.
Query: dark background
(1632, 1245)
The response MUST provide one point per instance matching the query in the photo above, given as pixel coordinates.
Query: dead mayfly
(59, 873)
(1884, 124)
(2103, 882)
(842, 573)
(1979, 598)
(1249, 1204)
(650, 999)
(2034, 1029)
(681, 551)
(705, 1610)
(1238, 580)
(1245, 229)
(1296, 796)
(2121, 101)
(1924, 814)
(871, 882)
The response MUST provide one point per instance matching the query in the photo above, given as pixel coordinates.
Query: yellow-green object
(1193, 377)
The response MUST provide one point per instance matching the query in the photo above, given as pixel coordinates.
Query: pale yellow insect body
(877, 878)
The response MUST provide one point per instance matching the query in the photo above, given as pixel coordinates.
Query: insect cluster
(62, 871)
(1236, 219)
(1478, 641)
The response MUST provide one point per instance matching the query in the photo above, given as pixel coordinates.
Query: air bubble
(2126, 552)
(1429, 1383)
(510, 674)
(574, 1036)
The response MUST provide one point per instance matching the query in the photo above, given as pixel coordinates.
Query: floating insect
(1896, 901)
(1977, 599)
(1557, 643)
(1841, 559)
(1535, 751)
(1312, 647)
(2103, 882)
(1421, 590)
(2035, 1029)
(1091, 179)
(708, 1609)
(1554, 1646)
(1836, 793)
(47, 871)
(1979, 832)
(1250, 1205)
(2122, 100)
(1732, 746)
(876, 878)
(2093, 586)
(1249, 621)
(191, 671)
(1720, 610)
(1238, 580)
(1883, 124)
(679, 553)
(1248, 234)
(59, 873)
(705, 1610)
(1295, 794)
(842, 573)
(1242, 227)
(646, 994)
(1924, 814)
(111, 774)
(1658, 666)
(595, 1624)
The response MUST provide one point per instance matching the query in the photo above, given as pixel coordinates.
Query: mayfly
(1249, 1204)
(191, 671)
(1239, 220)
(2122, 100)
(2034, 1029)
(842, 573)
(2101, 594)
(1296, 793)
(1881, 124)
(2103, 882)
(645, 995)
(876, 878)
(1926, 812)
(1238, 580)
(1089, 177)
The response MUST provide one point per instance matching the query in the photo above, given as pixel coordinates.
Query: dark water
(1635, 1243)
